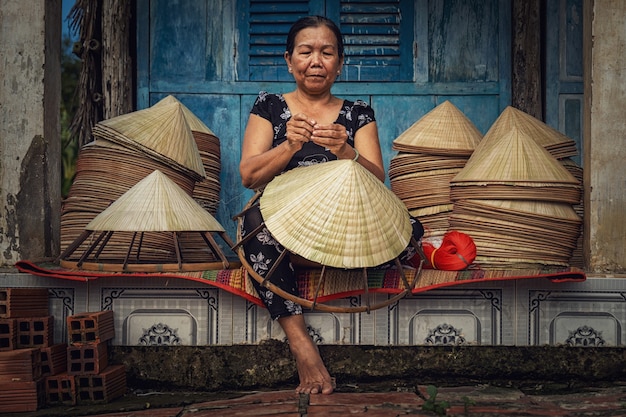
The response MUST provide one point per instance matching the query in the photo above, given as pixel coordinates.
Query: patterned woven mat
(337, 283)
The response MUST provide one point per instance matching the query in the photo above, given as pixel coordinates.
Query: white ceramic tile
(522, 312)
(590, 313)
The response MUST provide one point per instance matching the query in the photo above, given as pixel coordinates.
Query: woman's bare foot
(314, 377)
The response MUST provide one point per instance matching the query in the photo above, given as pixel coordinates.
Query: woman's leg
(261, 252)
(314, 377)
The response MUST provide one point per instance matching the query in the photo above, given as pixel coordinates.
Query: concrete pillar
(605, 136)
(30, 140)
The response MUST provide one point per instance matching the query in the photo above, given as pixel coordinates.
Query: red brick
(103, 387)
(388, 404)
(262, 404)
(20, 365)
(35, 332)
(53, 359)
(61, 389)
(19, 397)
(23, 302)
(88, 328)
(8, 334)
(87, 359)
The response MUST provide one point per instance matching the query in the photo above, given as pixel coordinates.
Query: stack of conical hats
(156, 204)
(515, 167)
(516, 200)
(337, 214)
(431, 152)
(206, 191)
(556, 143)
(125, 150)
(160, 131)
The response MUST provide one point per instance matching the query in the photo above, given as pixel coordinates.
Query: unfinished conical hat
(551, 139)
(337, 214)
(444, 130)
(155, 204)
(195, 124)
(515, 157)
(162, 131)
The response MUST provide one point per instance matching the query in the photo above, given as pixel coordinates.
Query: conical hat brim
(515, 157)
(337, 214)
(155, 204)
(444, 129)
(194, 122)
(528, 209)
(161, 129)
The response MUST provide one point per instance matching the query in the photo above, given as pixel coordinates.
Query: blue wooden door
(403, 57)
(564, 69)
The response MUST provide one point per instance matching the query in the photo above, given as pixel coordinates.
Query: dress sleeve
(261, 106)
(354, 116)
(364, 114)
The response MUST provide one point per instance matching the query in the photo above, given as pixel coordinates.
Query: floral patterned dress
(263, 250)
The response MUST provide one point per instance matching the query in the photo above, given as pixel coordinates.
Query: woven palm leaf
(515, 157)
(533, 234)
(552, 140)
(431, 210)
(406, 163)
(445, 130)
(337, 214)
(567, 193)
(525, 209)
(194, 122)
(162, 131)
(155, 204)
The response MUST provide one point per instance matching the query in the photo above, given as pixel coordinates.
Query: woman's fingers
(300, 128)
(333, 137)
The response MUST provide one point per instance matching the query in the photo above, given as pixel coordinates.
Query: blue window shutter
(268, 25)
(378, 37)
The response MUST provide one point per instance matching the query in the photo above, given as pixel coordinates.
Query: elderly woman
(308, 125)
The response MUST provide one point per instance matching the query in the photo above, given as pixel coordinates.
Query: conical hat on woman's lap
(337, 214)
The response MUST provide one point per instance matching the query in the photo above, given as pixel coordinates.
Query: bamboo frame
(315, 304)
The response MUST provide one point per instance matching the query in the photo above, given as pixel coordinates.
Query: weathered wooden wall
(526, 82)
(117, 64)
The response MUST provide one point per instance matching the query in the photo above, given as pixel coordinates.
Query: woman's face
(315, 62)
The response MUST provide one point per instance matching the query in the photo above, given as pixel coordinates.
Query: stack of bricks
(26, 343)
(95, 381)
(34, 371)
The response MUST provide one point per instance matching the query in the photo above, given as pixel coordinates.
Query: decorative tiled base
(163, 312)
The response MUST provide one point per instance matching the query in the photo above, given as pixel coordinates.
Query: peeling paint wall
(605, 136)
(30, 34)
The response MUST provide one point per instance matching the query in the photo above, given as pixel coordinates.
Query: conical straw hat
(161, 130)
(551, 139)
(444, 130)
(155, 204)
(337, 214)
(515, 157)
(195, 124)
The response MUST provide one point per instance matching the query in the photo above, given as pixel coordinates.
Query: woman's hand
(334, 138)
(299, 130)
